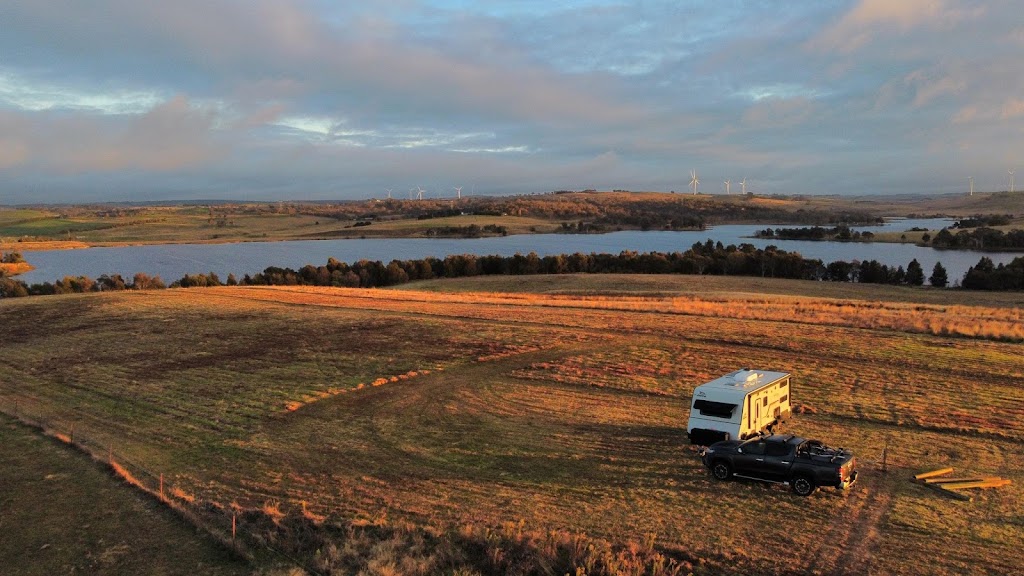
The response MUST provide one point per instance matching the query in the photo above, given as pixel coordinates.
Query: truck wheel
(803, 486)
(721, 470)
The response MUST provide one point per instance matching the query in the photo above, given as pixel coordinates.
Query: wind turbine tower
(694, 181)
(389, 193)
(458, 191)
(419, 193)
(743, 186)
(1011, 180)
(971, 180)
(728, 183)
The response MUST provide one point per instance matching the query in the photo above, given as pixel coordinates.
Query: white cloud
(25, 93)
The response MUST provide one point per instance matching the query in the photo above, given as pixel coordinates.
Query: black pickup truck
(786, 459)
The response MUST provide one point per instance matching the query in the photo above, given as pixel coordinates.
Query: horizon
(172, 202)
(305, 101)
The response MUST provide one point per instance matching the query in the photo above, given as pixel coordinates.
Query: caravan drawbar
(739, 405)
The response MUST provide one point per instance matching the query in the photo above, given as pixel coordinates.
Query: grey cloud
(327, 100)
(171, 136)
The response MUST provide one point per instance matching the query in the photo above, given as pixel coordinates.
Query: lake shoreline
(33, 246)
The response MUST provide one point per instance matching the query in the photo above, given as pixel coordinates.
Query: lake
(172, 261)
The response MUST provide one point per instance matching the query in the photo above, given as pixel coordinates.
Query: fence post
(234, 515)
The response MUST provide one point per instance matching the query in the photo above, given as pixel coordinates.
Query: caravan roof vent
(746, 377)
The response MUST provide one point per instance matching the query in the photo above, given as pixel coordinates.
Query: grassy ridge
(61, 514)
(446, 411)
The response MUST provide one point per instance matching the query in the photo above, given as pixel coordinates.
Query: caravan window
(716, 409)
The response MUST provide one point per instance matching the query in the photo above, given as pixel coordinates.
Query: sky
(143, 100)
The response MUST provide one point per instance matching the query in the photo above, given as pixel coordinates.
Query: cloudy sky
(316, 99)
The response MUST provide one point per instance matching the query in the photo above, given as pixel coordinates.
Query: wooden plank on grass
(991, 483)
(933, 473)
(948, 480)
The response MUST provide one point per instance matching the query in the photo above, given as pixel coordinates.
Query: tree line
(979, 239)
(840, 232)
(702, 258)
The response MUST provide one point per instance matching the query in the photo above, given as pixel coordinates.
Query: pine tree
(939, 279)
(915, 274)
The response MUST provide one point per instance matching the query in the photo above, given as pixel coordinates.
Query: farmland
(100, 527)
(543, 409)
(43, 227)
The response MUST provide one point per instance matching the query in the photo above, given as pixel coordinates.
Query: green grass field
(60, 513)
(560, 409)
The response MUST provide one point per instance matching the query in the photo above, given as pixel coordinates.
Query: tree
(839, 271)
(11, 288)
(938, 279)
(142, 281)
(943, 239)
(915, 274)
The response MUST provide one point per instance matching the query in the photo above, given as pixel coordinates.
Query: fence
(244, 532)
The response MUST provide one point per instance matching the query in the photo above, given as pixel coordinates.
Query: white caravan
(738, 405)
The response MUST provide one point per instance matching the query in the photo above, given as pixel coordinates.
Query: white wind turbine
(1010, 172)
(743, 186)
(971, 180)
(389, 193)
(458, 191)
(694, 181)
(728, 183)
(419, 193)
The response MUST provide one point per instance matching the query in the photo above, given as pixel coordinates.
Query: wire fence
(246, 532)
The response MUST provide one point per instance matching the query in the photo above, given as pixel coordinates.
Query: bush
(11, 258)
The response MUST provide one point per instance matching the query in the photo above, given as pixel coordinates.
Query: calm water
(171, 262)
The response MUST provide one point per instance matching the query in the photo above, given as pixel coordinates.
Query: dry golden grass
(14, 269)
(710, 287)
(967, 321)
(41, 245)
(541, 420)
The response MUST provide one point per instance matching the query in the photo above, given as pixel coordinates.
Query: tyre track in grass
(864, 536)
(848, 547)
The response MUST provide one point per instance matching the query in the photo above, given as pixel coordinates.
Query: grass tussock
(401, 548)
(183, 495)
(127, 476)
